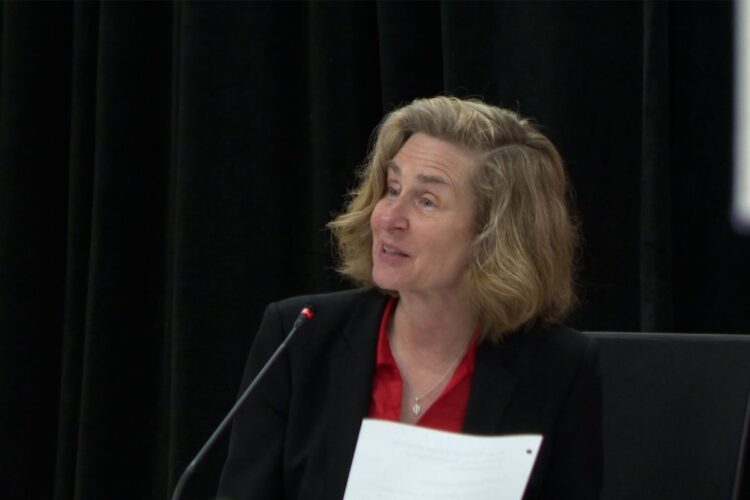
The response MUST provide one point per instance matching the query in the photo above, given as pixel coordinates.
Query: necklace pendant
(415, 408)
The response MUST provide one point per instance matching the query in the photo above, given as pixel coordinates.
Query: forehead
(431, 158)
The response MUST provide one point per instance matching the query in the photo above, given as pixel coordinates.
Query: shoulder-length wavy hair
(526, 241)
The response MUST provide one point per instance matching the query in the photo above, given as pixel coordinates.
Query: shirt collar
(384, 356)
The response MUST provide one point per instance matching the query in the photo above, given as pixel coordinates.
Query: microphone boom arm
(305, 314)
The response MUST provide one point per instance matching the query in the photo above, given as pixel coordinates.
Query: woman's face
(422, 226)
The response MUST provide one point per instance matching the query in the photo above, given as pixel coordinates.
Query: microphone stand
(305, 314)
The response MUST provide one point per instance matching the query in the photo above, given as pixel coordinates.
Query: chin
(389, 285)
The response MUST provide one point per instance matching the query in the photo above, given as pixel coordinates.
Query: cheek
(375, 217)
(462, 245)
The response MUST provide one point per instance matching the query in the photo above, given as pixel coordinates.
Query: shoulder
(327, 307)
(562, 341)
(327, 302)
(542, 367)
(347, 315)
(551, 342)
(333, 313)
(548, 359)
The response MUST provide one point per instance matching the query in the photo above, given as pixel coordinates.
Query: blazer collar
(350, 386)
(491, 388)
(353, 365)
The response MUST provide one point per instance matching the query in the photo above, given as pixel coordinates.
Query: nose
(394, 215)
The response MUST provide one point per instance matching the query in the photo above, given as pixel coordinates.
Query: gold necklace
(416, 407)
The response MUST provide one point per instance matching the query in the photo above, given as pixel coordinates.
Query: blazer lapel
(350, 385)
(491, 388)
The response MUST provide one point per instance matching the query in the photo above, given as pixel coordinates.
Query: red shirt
(446, 413)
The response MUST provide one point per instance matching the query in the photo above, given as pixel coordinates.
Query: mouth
(391, 250)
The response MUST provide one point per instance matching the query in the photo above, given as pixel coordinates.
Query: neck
(436, 327)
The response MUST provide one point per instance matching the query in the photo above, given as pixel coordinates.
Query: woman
(459, 230)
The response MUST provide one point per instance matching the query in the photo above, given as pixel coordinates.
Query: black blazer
(295, 437)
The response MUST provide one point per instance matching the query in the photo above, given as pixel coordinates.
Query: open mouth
(389, 250)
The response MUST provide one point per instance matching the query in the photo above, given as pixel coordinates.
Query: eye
(426, 202)
(391, 190)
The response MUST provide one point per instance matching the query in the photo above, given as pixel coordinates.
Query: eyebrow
(423, 178)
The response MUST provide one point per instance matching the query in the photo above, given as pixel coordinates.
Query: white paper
(396, 461)
(741, 210)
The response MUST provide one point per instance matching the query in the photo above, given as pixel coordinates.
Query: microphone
(305, 314)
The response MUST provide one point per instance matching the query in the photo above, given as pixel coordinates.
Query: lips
(391, 255)
(391, 250)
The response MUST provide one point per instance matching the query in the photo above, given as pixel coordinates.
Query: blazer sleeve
(576, 465)
(253, 468)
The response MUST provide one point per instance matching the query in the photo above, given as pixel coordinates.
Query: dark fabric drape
(167, 169)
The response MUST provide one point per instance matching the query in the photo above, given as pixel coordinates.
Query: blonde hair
(526, 240)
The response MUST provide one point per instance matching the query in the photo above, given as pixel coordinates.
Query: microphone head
(305, 314)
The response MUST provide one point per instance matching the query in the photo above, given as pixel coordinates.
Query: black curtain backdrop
(167, 169)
